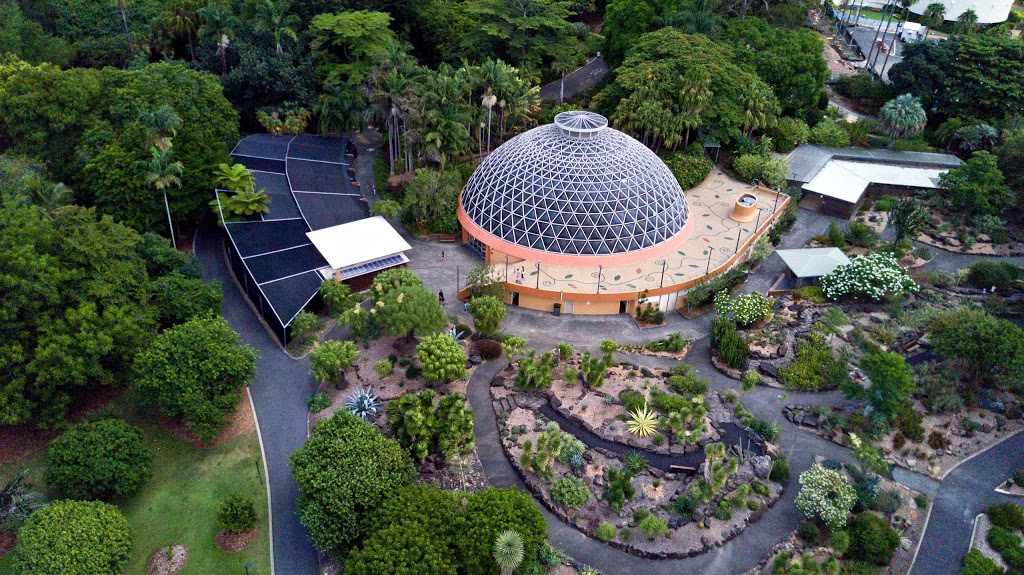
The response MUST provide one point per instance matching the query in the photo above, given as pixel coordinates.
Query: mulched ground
(7, 539)
(167, 561)
(239, 423)
(16, 441)
(232, 542)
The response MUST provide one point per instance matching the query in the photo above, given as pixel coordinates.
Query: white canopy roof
(847, 181)
(358, 242)
(813, 262)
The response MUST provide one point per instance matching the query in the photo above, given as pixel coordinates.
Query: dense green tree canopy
(976, 187)
(981, 75)
(672, 83)
(79, 300)
(98, 460)
(345, 469)
(790, 61)
(194, 371)
(991, 350)
(74, 538)
(102, 117)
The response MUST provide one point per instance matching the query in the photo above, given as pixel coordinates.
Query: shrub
(565, 351)
(606, 532)
(236, 513)
(346, 468)
(490, 512)
(815, 368)
(749, 166)
(688, 384)
(488, 349)
(488, 313)
(443, 359)
(730, 345)
(760, 488)
(1008, 545)
(936, 440)
(835, 236)
(789, 133)
(318, 402)
(570, 491)
(909, 422)
(74, 537)
(1007, 515)
(744, 309)
(619, 488)
(689, 170)
(826, 494)
(724, 510)
(685, 505)
(535, 372)
(839, 542)
(632, 400)
(921, 500)
(829, 133)
(977, 564)
(861, 235)
(98, 460)
(872, 540)
(1018, 477)
(780, 470)
(809, 532)
(812, 294)
(703, 293)
(988, 273)
(384, 368)
(887, 502)
(750, 380)
(874, 275)
(570, 374)
(653, 527)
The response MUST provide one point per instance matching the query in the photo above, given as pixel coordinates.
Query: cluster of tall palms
(663, 114)
(160, 169)
(438, 115)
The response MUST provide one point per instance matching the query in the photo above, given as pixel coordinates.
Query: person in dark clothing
(440, 297)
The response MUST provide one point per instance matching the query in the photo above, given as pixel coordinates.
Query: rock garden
(996, 545)
(652, 463)
(857, 522)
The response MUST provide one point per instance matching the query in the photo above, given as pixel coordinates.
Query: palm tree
(565, 61)
(338, 110)
(245, 204)
(49, 196)
(161, 124)
(272, 17)
(217, 22)
(902, 117)
(508, 551)
(388, 90)
(234, 178)
(122, 7)
(181, 18)
(967, 22)
(387, 208)
(162, 173)
(934, 15)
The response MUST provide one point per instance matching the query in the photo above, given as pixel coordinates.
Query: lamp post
(664, 264)
(739, 234)
(247, 566)
(600, 268)
(710, 251)
(538, 274)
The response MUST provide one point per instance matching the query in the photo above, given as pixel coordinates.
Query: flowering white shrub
(744, 309)
(825, 493)
(873, 275)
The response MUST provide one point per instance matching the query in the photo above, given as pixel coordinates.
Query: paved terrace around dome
(714, 235)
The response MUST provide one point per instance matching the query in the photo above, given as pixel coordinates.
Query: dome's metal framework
(576, 187)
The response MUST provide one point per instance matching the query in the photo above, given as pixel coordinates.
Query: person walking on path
(440, 297)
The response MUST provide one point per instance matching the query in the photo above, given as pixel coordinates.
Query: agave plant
(363, 403)
(643, 422)
(508, 551)
(454, 333)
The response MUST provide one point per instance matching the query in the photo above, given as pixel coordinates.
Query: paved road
(965, 493)
(579, 80)
(279, 393)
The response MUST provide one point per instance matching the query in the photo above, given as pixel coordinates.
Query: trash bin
(558, 309)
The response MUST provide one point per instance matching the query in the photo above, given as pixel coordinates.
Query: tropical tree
(443, 359)
(74, 537)
(162, 172)
(241, 206)
(907, 217)
(508, 551)
(565, 61)
(488, 312)
(826, 494)
(338, 296)
(411, 311)
(902, 117)
(331, 359)
(273, 18)
(234, 178)
(976, 187)
(389, 209)
(934, 15)
(180, 17)
(967, 22)
(217, 23)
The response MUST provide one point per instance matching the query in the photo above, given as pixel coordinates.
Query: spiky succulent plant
(363, 403)
(508, 551)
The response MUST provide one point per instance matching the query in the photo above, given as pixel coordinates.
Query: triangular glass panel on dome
(579, 246)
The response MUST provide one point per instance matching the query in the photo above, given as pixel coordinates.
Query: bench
(446, 239)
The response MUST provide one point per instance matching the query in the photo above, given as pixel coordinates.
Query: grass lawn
(179, 505)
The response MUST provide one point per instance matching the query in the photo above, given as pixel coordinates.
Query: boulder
(762, 466)
(769, 368)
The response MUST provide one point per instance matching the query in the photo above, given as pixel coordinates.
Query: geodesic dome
(575, 187)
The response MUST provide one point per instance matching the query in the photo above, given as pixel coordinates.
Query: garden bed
(675, 511)
(942, 233)
(946, 441)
